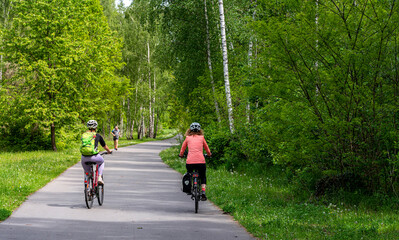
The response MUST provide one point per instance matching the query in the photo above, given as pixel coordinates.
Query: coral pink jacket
(195, 144)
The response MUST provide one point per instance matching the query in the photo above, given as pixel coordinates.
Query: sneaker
(203, 197)
(100, 180)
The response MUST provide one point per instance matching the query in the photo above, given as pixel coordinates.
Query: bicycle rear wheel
(89, 197)
(100, 194)
(196, 198)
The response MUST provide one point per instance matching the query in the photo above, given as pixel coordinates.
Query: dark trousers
(200, 168)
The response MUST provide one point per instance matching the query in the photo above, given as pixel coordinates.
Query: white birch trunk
(210, 63)
(141, 128)
(150, 125)
(143, 125)
(154, 129)
(226, 67)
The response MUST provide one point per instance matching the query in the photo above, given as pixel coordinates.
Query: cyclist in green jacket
(95, 156)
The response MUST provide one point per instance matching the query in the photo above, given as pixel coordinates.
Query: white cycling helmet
(195, 127)
(92, 124)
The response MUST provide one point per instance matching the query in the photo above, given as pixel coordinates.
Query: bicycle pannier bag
(186, 183)
(87, 147)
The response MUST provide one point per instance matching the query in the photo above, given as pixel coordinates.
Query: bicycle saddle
(90, 163)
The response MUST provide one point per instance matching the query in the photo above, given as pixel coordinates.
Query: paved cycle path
(142, 201)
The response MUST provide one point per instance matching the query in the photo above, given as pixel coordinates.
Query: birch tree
(226, 67)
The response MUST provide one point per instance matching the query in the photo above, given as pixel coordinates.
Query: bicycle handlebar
(104, 153)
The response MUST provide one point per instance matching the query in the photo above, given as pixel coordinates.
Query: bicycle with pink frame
(92, 188)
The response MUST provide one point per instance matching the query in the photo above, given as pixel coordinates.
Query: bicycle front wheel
(100, 194)
(89, 197)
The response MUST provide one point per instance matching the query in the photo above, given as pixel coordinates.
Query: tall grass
(269, 206)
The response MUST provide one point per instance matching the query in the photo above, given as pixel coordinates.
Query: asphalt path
(142, 200)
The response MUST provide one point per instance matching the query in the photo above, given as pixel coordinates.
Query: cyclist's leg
(202, 173)
(83, 160)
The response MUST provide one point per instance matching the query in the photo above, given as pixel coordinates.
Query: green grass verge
(266, 206)
(23, 173)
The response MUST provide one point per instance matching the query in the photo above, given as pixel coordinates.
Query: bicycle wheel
(89, 198)
(100, 194)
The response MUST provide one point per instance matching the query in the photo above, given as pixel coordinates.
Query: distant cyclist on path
(89, 149)
(195, 141)
(116, 132)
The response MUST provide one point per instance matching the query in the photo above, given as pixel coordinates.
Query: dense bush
(246, 144)
(18, 138)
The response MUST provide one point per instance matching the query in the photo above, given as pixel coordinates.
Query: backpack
(87, 147)
(186, 181)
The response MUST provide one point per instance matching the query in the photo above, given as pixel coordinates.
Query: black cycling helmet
(195, 127)
(92, 124)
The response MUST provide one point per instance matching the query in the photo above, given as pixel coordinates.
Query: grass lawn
(23, 173)
(265, 204)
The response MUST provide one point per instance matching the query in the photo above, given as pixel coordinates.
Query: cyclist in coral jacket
(195, 142)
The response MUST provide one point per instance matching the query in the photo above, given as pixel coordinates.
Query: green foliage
(218, 143)
(263, 201)
(330, 83)
(60, 55)
(170, 157)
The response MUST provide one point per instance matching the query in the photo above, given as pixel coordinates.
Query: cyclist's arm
(107, 148)
(183, 148)
(208, 151)
(103, 144)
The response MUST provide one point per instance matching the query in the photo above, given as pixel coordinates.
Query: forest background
(310, 87)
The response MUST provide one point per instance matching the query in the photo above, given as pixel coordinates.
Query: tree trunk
(129, 132)
(226, 67)
(132, 130)
(135, 112)
(121, 121)
(153, 110)
(156, 124)
(108, 126)
(210, 63)
(143, 125)
(151, 123)
(250, 48)
(139, 127)
(53, 137)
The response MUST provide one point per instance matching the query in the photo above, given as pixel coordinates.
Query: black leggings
(201, 168)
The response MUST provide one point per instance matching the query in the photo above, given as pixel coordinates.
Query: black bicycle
(195, 182)
(195, 189)
(92, 188)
